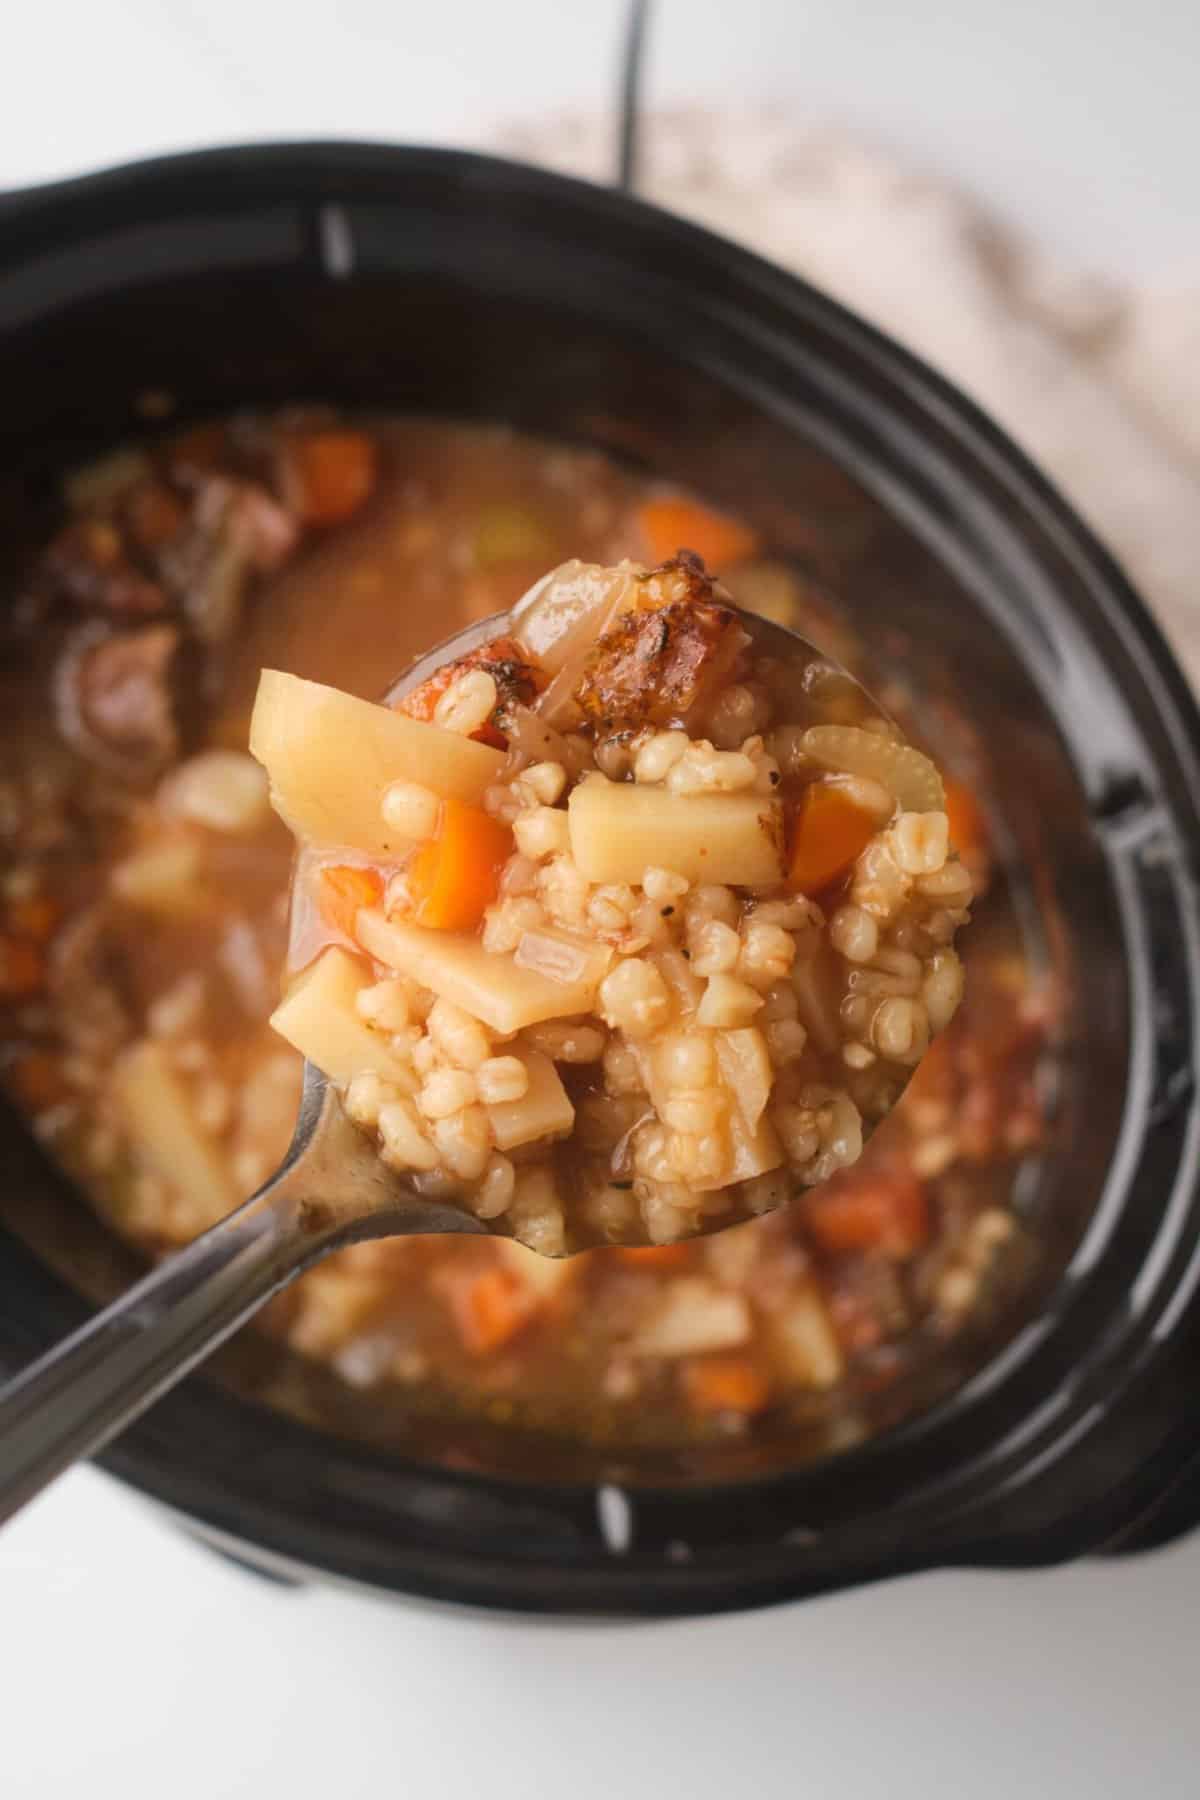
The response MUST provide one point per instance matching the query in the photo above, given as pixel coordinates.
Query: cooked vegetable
(903, 771)
(754, 1153)
(829, 832)
(330, 757)
(745, 1064)
(22, 968)
(655, 1256)
(328, 475)
(162, 878)
(726, 1384)
(968, 829)
(222, 790)
(564, 956)
(804, 1341)
(506, 532)
(562, 615)
(544, 1276)
(319, 1016)
(37, 1079)
(543, 1111)
(888, 1212)
(156, 1110)
(671, 523)
(454, 877)
(490, 987)
(619, 830)
(695, 1315)
(344, 889)
(517, 685)
(490, 1308)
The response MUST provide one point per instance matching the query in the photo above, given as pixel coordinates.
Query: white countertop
(133, 1662)
(137, 1663)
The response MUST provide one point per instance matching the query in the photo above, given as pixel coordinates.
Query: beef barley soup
(145, 935)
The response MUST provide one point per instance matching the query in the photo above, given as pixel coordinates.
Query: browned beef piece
(662, 660)
(88, 567)
(116, 699)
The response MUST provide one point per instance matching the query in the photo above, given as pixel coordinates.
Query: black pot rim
(586, 1571)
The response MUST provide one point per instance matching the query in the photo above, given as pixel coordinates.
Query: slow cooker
(411, 279)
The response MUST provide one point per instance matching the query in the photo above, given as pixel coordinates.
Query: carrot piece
(828, 833)
(22, 968)
(198, 450)
(37, 1080)
(656, 1256)
(671, 524)
(329, 474)
(455, 876)
(345, 889)
(968, 830)
(36, 917)
(516, 680)
(887, 1212)
(491, 1308)
(729, 1383)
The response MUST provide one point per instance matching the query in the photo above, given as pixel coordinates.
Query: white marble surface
(132, 1662)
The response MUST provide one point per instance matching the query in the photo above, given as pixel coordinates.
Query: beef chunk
(115, 697)
(662, 659)
(88, 569)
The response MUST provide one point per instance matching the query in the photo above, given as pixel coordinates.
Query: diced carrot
(22, 968)
(657, 1256)
(329, 474)
(516, 680)
(887, 1212)
(491, 1308)
(828, 833)
(36, 917)
(671, 524)
(936, 1075)
(37, 1080)
(345, 889)
(729, 1383)
(455, 876)
(968, 829)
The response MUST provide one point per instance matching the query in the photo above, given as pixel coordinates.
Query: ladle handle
(76, 1397)
(331, 1190)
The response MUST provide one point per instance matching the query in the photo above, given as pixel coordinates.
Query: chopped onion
(553, 955)
(559, 619)
(531, 740)
(572, 603)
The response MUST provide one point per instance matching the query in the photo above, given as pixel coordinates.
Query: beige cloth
(1099, 383)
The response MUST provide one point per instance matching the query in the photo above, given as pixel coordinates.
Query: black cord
(631, 81)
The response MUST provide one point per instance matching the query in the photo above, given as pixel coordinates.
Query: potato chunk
(619, 830)
(490, 987)
(156, 1110)
(330, 756)
(319, 1017)
(543, 1111)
